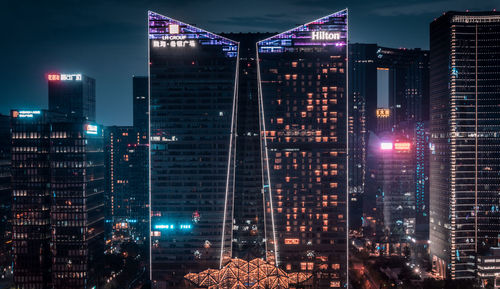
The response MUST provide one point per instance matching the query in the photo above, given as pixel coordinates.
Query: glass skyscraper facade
(57, 197)
(72, 94)
(465, 140)
(127, 181)
(304, 113)
(248, 149)
(193, 75)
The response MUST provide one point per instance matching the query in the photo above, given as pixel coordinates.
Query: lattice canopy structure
(241, 274)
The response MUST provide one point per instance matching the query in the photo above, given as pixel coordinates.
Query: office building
(389, 90)
(464, 200)
(215, 121)
(57, 200)
(127, 181)
(72, 94)
(397, 182)
(304, 116)
(193, 75)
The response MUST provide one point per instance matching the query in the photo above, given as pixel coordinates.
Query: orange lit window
(279, 120)
(292, 241)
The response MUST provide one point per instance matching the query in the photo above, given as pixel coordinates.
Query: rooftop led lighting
(386, 146)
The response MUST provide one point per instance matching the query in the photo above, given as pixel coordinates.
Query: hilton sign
(325, 35)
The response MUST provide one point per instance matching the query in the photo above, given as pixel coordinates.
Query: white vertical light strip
(347, 145)
(233, 114)
(149, 154)
(475, 156)
(235, 140)
(261, 113)
(263, 179)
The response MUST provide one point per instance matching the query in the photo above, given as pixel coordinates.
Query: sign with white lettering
(325, 35)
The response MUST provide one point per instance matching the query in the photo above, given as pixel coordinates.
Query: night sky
(107, 40)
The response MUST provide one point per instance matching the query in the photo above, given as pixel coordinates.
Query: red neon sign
(402, 146)
(53, 77)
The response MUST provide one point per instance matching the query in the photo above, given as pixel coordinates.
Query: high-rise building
(212, 164)
(72, 94)
(302, 76)
(193, 75)
(57, 197)
(140, 102)
(389, 90)
(397, 181)
(408, 91)
(127, 181)
(363, 99)
(464, 200)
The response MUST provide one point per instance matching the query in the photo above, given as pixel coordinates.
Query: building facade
(193, 75)
(57, 197)
(464, 208)
(127, 181)
(304, 118)
(397, 181)
(72, 94)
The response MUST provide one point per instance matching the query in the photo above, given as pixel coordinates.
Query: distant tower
(72, 94)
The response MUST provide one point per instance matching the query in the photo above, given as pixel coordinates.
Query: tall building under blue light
(248, 149)
(304, 121)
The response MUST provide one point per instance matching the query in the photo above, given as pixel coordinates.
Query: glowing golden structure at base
(240, 274)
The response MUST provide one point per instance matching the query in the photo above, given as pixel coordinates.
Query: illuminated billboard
(64, 77)
(165, 32)
(402, 146)
(386, 146)
(383, 113)
(91, 129)
(330, 30)
(25, 113)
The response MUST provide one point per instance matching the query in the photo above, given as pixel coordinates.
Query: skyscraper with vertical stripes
(248, 149)
(465, 140)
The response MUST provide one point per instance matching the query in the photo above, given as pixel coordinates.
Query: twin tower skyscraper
(248, 149)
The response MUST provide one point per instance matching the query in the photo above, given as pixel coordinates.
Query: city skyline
(95, 38)
(299, 155)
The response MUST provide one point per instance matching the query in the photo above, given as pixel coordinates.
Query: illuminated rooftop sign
(402, 146)
(329, 31)
(91, 129)
(383, 113)
(386, 146)
(64, 77)
(325, 35)
(25, 113)
(165, 32)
